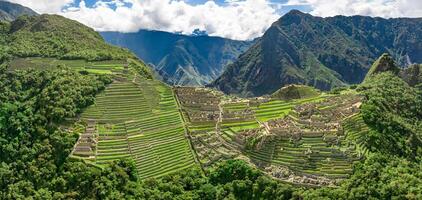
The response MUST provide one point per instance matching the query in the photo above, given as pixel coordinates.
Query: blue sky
(235, 19)
(282, 11)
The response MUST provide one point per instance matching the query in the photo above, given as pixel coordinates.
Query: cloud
(379, 8)
(241, 20)
(235, 19)
(44, 6)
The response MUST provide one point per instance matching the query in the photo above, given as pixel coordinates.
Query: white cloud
(235, 19)
(380, 8)
(241, 20)
(44, 6)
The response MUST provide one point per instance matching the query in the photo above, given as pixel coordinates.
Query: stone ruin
(284, 173)
(85, 147)
(200, 104)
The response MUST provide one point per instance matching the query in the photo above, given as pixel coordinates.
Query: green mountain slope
(321, 52)
(11, 11)
(181, 59)
(412, 74)
(58, 37)
(385, 63)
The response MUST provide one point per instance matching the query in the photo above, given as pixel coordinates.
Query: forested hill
(10, 11)
(181, 59)
(412, 74)
(55, 36)
(322, 52)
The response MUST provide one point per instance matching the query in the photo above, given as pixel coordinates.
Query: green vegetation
(394, 112)
(98, 126)
(33, 148)
(377, 177)
(275, 109)
(299, 49)
(383, 64)
(140, 120)
(357, 131)
(295, 92)
(392, 144)
(310, 155)
(95, 67)
(58, 37)
(10, 11)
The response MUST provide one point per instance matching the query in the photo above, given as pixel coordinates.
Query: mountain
(322, 52)
(56, 36)
(11, 11)
(383, 64)
(181, 59)
(412, 74)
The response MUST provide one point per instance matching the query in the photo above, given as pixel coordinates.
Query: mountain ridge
(322, 52)
(10, 11)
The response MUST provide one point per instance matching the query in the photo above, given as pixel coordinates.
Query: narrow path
(218, 130)
(134, 78)
(220, 119)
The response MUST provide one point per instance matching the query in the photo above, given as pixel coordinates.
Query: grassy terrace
(97, 67)
(277, 108)
(324, 153)
(308, 156)
(238, 106)
(140, 120)
(243, 120)
(356, 129)
(239, 126)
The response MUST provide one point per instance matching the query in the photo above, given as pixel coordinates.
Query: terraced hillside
(306, 141)
(96, 67)
(136, 119)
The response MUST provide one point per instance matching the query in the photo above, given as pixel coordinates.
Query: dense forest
(55, 36)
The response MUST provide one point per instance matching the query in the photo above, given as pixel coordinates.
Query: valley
(178, 59)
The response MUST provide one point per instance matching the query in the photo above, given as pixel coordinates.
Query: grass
(239, 126)
(356, 129)
(97, 67)
(275, 109)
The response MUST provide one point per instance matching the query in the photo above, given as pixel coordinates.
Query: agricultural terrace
(136, 119)
(274, 109)
(311, 142)
(96, 67)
